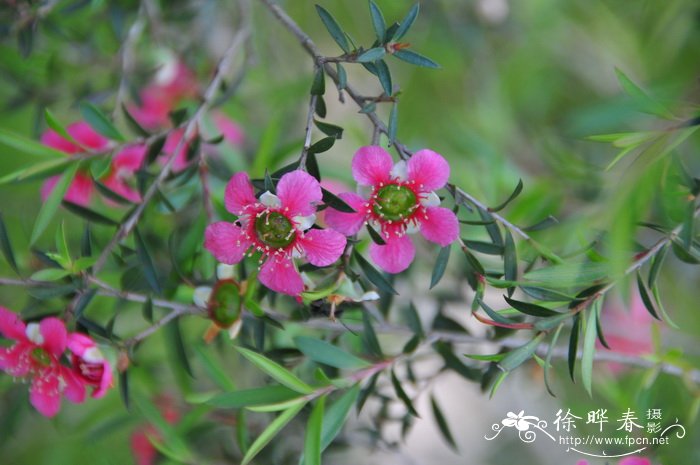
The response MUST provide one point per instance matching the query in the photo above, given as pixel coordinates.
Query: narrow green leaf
(393, 122)
(513, 195)
(589, 338)
(518, 356)
(369, 336)
(407, 22)
(374, 276)
(375, 236)
(99, 121)
(147, 310)
(276, 371)
(548, 359)
(336, 415)
(440, 266)
(49, 274)
(573, 345)
(133, 124)
(323, 352)
(318, 86)
(148, 268)
(271, 431)
(687, 230)
(485, 247)
(646, 298)
(413, 320)
(171, 438)
(50, 206)
(646, 103)
(531, 309)
(88, 214)
(493, 314)
(442, 423)
(401, 394)
(28, 146)
(371, 55)
(366, 392)
(384, 76)
(54, 124)
(342, 76)
(409, 56)
(492, 227)
(333, 28)
(322, 145)
(378, 21)
(112, 195)
(253, 397)
(6, 246)
(569, 274)
(214, 369)
(544, 224)
(124, 388)
(333, 201)
(510, 261)
(39, 171)
(656, 264)
(312, 439)
(599, 328)
(329, 129)
(176, 341)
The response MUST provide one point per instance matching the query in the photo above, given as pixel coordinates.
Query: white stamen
(201, 296)
(224, 271)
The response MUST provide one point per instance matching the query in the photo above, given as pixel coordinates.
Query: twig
(309, 130)
(190, 128)
(126, 52)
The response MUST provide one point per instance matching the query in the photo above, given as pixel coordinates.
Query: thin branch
(126, 56)
(309, 130)
(190, 128)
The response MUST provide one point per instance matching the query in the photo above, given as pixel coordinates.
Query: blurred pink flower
(142, 448)
(232, 132)
(401, 199)
(278, 226)
(124, 165)
(625, 461)
(627, 331)
(36, 354)
(171, 144)
(80, 190)
(89, 364)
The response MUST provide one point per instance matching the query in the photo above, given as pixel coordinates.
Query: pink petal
(183, 84)
(51, 139)
(154, 109)
(323, 246)
(55, 335)
(441, 226)
(428, 169)
(239, 193)
(130, 158)
(371, 165)
(226, 241)
(144, 452)
(299, 193)
(395, 256)
(78, 343)
(11, 326)
(582, 462)
(75, 388)
(121, 187)
(106, 381)
(347, 223)
(280, 275)
(171, 144)
(80, 190)
(231, 131)
(86, 136)
(15, 360)
(45, 394)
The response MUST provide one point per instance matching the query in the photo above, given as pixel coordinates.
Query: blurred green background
(521, 86)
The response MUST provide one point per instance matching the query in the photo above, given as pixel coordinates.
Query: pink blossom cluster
(398, 199)
(37, 355)
(279, 226)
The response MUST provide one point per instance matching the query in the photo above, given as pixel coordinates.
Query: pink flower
(89, 365)
(36, 354)
(400, 198)
(124, 165)
(171, 144)
(80, 190)
(142, 448)
(625, 461)
(153, 113)
(232, 132)
(627, 331)
(277, 226)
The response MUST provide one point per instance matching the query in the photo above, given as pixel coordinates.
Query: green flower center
(225, 303)
(395, 202)
(274, 229)
(40, 356)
